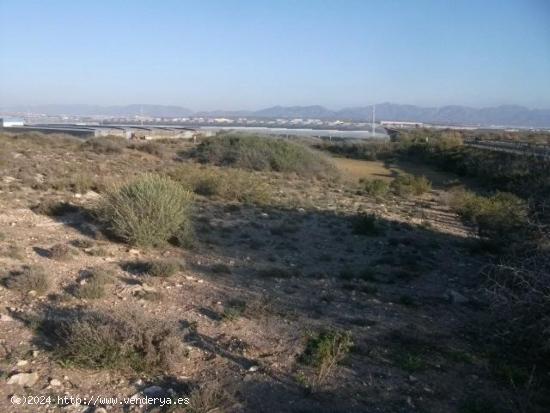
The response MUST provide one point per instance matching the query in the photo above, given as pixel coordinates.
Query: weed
(92, 289)
(374, 187)
(405, 184)
(60, 252)
(324, 351)
(29, 279)
(163, 268)
(234, 309)
(105, 145)
(105, 340)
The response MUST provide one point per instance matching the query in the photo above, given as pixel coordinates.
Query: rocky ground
(258, 281)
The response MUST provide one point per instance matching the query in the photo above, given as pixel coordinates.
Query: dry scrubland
(253, 274)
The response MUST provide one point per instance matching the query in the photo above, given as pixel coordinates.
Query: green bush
(147, 211)
(324, 351)
(499, 216)
(228, 184)
(406, 184)
(264, 153)
(374, 187)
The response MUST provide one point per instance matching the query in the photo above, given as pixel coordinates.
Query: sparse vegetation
(147, 211)
(60, 252)
(228, 184)
(324, 351)
(28, 279)
(234, 309)
(374, 187)
(163, 268)
(406, 184)
(107, 145)
(92, 289)
(499, 216)
(261, 153)
(112, 341)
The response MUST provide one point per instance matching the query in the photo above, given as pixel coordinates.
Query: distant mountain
(95, 110)
(507, 115)
(295, 112)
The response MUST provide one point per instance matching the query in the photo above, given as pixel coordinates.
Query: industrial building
(91, 131)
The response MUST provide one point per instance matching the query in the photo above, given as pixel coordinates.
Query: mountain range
(506, 115)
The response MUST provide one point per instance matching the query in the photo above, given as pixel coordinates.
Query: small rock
(35, 353)
(253, 368)
(6, 318)
(55, 383)
(133, 251)
(100, 410)
(23, 379)
(22, 363)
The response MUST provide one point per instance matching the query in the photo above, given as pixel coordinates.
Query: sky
(207, 55)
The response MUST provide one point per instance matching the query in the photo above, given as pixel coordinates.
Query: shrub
(147, 211)
(102, 275)
(374, 187)
(152, 148)
(109, 341)
(324, 351)
(406, 184)
(499, 216)
(163, 268)
(234, 309)
(210, 397)
(59, 252)
(367, 224)
(231, 185)
(263, 153)
(105, 145)
(29, 279)
(93, 288)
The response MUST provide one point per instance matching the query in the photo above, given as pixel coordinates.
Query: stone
(252, 369)
(6, 318)
(55, 383)
(22, 363)
(24, 379)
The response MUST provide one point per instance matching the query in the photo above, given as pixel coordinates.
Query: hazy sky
(252, 54)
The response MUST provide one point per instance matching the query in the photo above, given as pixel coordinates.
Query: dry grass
(29, 279)
(104, 340)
